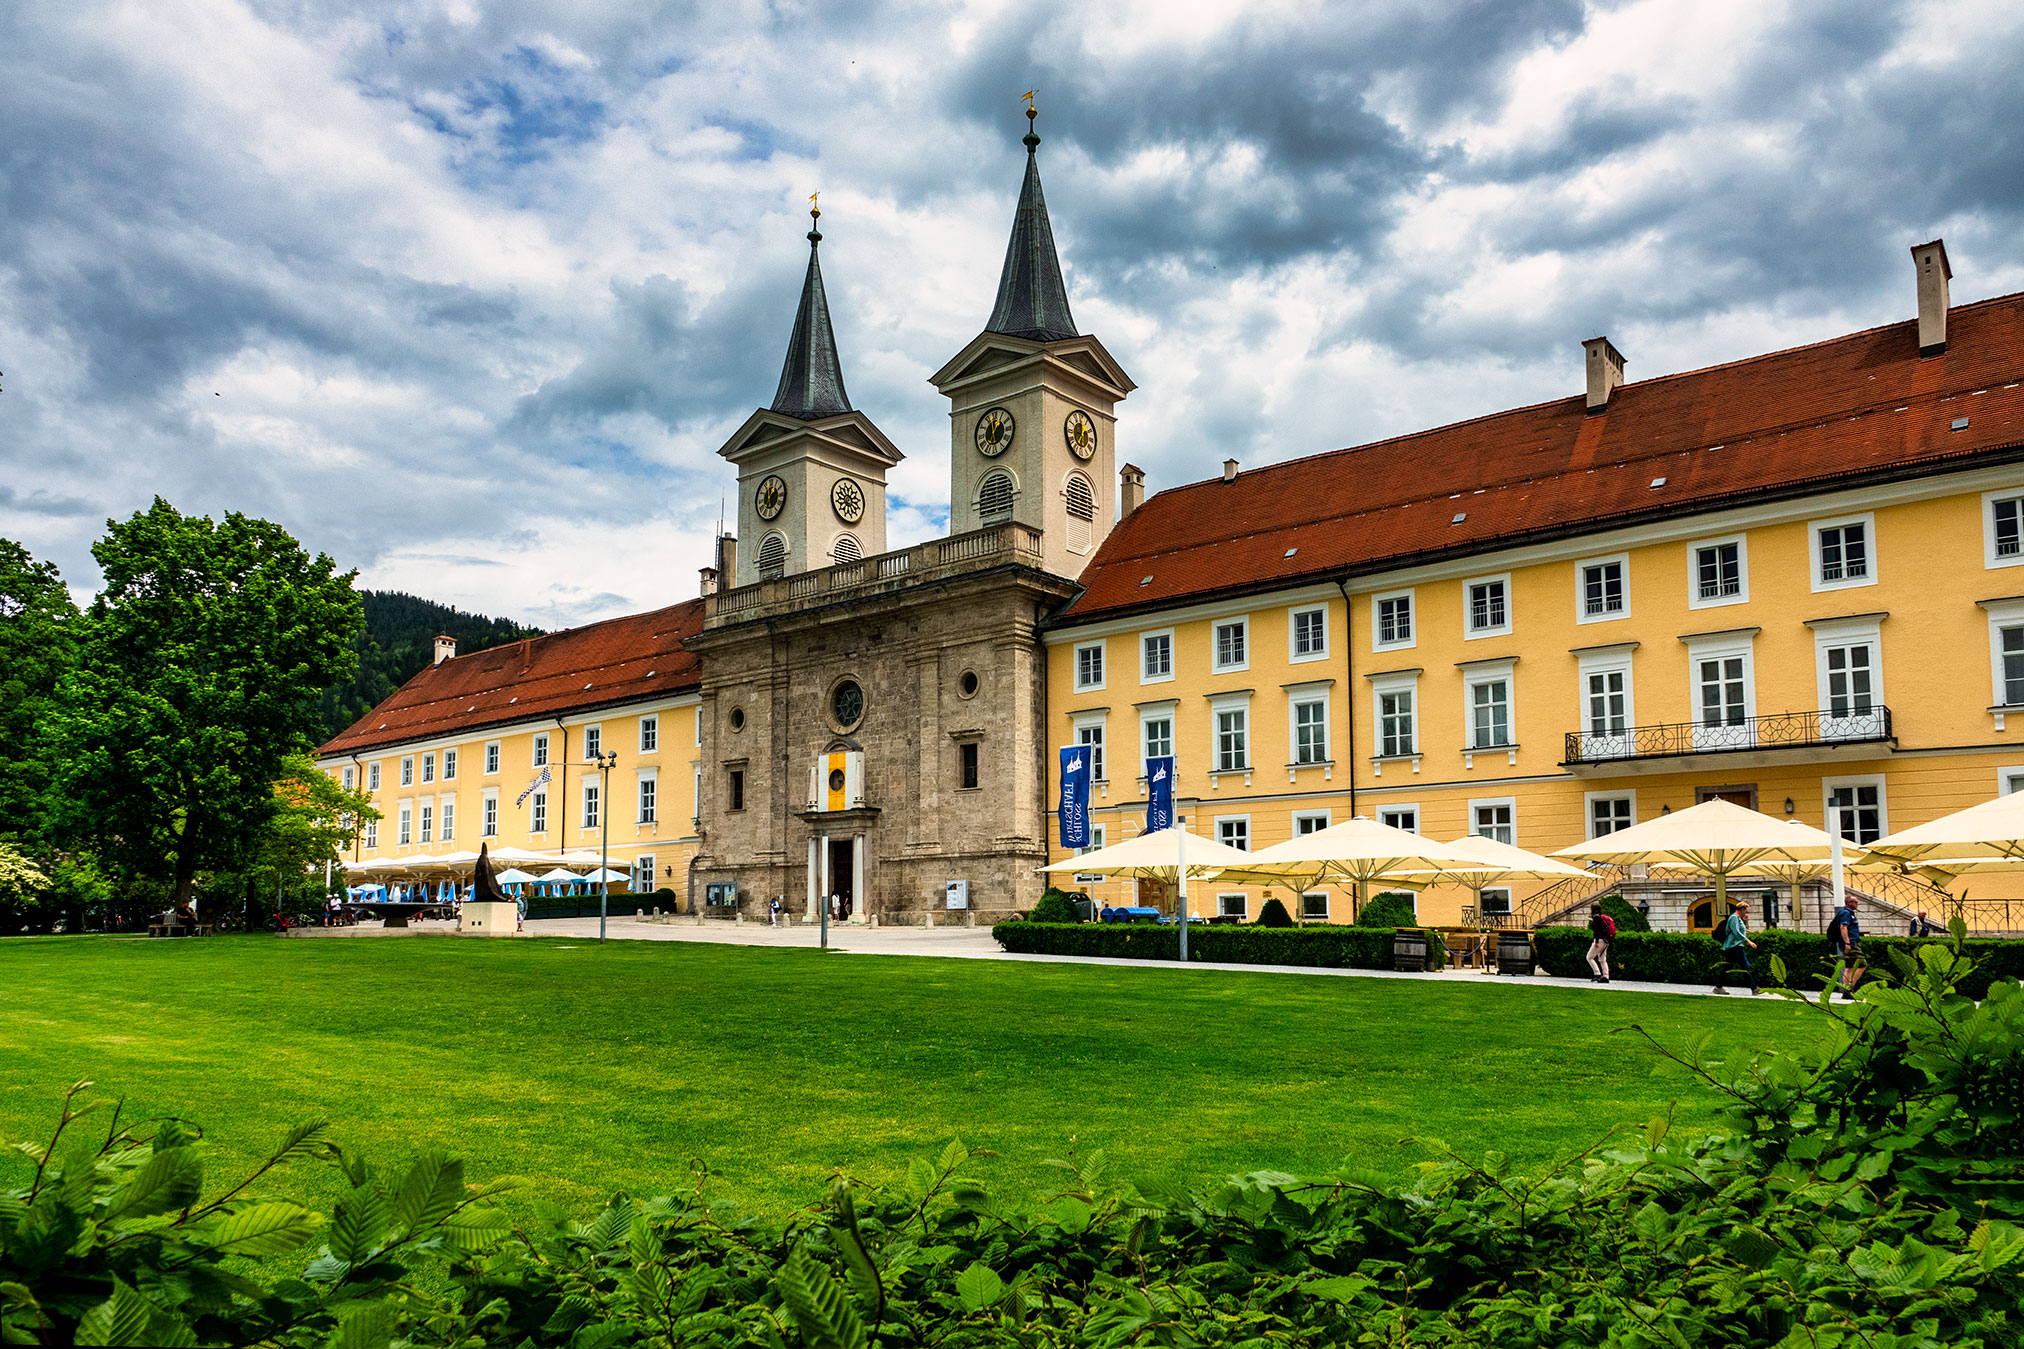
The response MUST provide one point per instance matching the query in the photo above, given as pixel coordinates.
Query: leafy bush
(1867, 1191)
(1274, 915)
(1625, 914)
(1393, 908)
(1053, 908)
(1806, 958)
(1252, 944)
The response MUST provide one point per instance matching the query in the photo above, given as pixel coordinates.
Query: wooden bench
(170, 929)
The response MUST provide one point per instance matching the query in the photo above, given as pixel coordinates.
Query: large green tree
(200, 670)
(38, 626)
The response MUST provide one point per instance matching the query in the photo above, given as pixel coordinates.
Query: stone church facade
(872, 724)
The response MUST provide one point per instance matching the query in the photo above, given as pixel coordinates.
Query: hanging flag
(541, 779)
(1160, 793)
(1075, 796)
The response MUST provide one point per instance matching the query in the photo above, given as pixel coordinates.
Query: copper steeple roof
(811, 380)
(1032, 298)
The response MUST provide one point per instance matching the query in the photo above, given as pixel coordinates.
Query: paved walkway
(968, 943)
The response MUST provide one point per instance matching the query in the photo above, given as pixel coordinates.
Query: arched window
(994, 497)
(1081, 498)
(772, 557)
(847, 549)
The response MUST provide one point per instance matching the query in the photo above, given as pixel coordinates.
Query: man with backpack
(1734, 934)
(1602, 928)
(1843, 933)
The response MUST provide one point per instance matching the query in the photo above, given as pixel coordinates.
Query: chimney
(1930, 261)
(446, 647)
(1229, 470)
(1131, 489)
(709, 580)
(1605, 372)
(727, 561)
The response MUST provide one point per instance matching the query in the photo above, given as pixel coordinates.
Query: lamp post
(605, 763)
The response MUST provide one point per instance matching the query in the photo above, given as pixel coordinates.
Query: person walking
(1602, 929)
(774, 910)
(1844, 935)
(1924, 927)
(1736, 947)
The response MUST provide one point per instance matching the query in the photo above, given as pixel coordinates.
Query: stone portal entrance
(841, 876)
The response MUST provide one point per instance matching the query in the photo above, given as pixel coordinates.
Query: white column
(861, 913)
(812, 915)
(827, 888)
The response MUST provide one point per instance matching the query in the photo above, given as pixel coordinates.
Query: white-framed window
(1608, 703)
(649, 791)
(449, 821)
(1089, 731)
(1391, 626)
(1307, 822)
(643, 874)
(1230, 645)
(1406, 817)
(1494, 901)
(428, 767)
(449, 765)
(1396, 703)
(428, 815)
(2003, 528)
(491, 757)
(1234, 904)
(2006, 652)
(372, 834)
(1848, 665)
(1602, 589)
(1718, 572)
(1307, 633)
(372, 777)
(1156, 656)
(650, 734)
(590, 804)
(1864, 813)
(1089, 665)
(407, 822)
(490, 811)
(696, 795)
(593, 741)
(1723, 692)
(1232, 728)
(1307, 721)
(1609, 812)
(539, 822)
(1098, 833)
(1486, 606)
(1156, 732)
(408, 770)
(2010, 780)
(1486, 688)
(1234, 831)
(349, 776)
(1495, 818)
(1314, 906)
(1843, 552)
(541, 749)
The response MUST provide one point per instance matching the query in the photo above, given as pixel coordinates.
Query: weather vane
(814, 207)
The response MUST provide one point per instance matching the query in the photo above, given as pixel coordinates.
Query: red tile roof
(622, 660)
(1857, 408)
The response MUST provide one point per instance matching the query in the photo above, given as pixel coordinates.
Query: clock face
(772, 495)
(848, 498)
(994, 432)
(1080, 432)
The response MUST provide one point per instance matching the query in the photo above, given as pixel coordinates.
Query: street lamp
(605, 763)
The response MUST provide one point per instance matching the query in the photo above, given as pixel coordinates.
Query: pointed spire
(1032, 298)
(811, 381)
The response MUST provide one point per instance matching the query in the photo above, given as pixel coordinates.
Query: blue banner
(1159, 793)
(1075, 797)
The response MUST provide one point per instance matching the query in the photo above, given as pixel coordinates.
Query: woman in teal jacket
(1734, 934)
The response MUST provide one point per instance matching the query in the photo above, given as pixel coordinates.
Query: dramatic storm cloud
(468, 294)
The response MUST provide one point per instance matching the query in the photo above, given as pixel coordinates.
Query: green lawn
(584, 1069)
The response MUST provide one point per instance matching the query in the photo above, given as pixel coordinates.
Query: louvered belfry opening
(1081, 497)
(772, 557)
(847, 549)
(994, 497)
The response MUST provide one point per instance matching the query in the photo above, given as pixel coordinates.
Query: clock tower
(811, 469)
(1032, 403)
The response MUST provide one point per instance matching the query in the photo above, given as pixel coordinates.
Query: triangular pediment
(851, 432)
(989, 351)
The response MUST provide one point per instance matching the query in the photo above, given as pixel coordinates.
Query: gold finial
(814, 218)
(814, 207)
(1032, 112)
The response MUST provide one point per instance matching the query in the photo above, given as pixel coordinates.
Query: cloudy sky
(468, 294)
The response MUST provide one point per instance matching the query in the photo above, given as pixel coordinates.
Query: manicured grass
(585, 1070)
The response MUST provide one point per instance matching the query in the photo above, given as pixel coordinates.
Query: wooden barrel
(1514, 953)
(1409, 950)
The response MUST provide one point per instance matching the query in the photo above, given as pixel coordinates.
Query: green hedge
(1627, 918)
(1393, 908)
(1328, 947)
(1693, 957)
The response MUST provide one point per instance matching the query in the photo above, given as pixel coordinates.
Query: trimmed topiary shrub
(1053, 908)
(1274, 915)
(1628, 919)
(1393, 908)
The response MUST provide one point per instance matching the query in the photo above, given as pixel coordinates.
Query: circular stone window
(968, 684)
(737, 718)
(846, 704)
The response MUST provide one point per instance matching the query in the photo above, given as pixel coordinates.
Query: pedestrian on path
(1602, 928)
(774, 910)
(1736, 947)
(1923, 926)
(1844, 935)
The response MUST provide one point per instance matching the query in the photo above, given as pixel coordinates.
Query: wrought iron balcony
(1775, 731)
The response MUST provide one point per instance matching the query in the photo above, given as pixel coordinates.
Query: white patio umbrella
(1992, 832)
(558, 874)
(606, 876)
(514, 876)
(1716, 838)
(1358, 852)
(1495, 861)
(1156, 857)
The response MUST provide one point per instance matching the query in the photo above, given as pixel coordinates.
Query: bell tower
(811, 469)
(1032, 403)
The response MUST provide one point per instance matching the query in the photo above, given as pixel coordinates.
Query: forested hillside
(399, 641)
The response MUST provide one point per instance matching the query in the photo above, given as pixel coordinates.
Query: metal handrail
(1774, 730)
